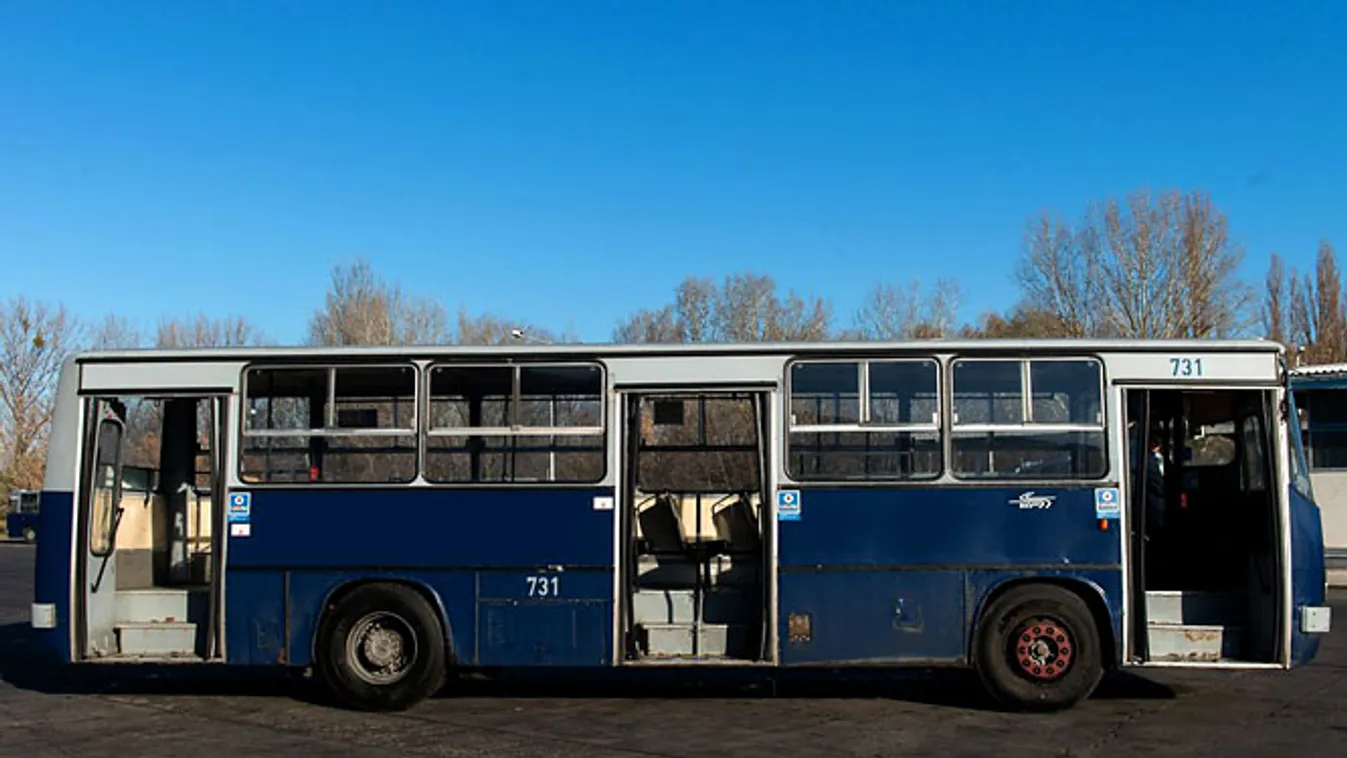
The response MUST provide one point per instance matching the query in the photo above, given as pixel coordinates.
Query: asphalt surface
(1172, 713)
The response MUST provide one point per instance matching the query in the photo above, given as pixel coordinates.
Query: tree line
(1145, 265)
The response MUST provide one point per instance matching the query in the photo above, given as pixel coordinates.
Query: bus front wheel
(382, 648)
(1038, 648)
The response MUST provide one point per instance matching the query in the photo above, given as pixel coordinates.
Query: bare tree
(1308, 312)
(745, 307)
(1021, 323)
(687, 319)
(1149, 266)
(894, 313)
(363, 309)
(204, 331)
(489, 329)
(115, 333)
(1059, 274)
(35, 339)
(1276, 306)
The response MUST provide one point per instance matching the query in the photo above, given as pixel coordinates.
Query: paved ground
(1303, 713)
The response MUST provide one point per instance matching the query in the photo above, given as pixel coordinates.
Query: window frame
(1312, 430)
(865, 423)
(516, 397)
(430, 432)
(1027, 426)
(329, 429)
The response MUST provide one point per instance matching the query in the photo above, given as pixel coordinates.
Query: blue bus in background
(978, 504)
(21, 521)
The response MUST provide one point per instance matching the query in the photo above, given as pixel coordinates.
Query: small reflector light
(313, 473)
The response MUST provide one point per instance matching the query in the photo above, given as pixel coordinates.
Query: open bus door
(151, 546)
(1206, 526)
(100, 513)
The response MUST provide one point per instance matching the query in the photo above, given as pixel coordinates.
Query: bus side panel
(544, 618)
(255, 617)
(1307, 572)
(902, 558)
(480, 552)
(860, 616)
(15, 523)
(53, 574)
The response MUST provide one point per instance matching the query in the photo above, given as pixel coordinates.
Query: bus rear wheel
(1038, 648)
(382, 648)
(29, 534)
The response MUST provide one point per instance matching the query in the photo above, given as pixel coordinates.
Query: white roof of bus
(704, 348)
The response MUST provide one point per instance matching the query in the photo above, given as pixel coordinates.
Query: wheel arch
(1091, 593)
(425, 591)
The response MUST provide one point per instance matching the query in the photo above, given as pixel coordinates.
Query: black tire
(347, 653)
(1038, 648)
(29, 534)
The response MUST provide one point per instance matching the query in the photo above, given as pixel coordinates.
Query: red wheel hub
(1043, 648)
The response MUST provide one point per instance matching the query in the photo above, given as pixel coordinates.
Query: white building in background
(1321, 397)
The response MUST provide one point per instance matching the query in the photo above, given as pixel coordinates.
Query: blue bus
(388, 518)
(21, 521)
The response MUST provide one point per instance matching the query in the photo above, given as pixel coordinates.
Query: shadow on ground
(25, 667)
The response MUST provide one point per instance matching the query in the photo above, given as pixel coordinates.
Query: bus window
(27, 503)
(535, 423)
(345, 425)
(889, 431)
(106, 487)
(1036, 419)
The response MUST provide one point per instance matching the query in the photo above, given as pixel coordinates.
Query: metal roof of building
(1323, 369)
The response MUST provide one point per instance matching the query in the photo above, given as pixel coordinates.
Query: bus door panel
(219, 538)
(100, 514)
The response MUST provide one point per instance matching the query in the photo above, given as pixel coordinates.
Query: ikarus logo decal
(1028, 501)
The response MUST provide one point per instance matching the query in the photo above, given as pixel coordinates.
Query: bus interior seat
(737, 523)
(661, 524)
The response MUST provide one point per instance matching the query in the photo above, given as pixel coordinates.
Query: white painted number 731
(1186, 366)
(544, 586)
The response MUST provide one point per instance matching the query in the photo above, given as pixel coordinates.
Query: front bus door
(1205, 527)
(100, 513)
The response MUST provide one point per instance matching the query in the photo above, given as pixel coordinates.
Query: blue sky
(568, 162)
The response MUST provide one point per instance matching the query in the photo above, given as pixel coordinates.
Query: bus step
(674, 572)
(1194, 607)
(156, 639)
(1192, 642)
(166, 605)
(721, 605)
(664, 606)
(713, 640)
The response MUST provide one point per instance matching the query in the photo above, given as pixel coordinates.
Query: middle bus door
(697, 522)
(218, 538)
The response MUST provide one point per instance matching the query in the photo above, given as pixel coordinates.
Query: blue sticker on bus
(240, 507)
(1107, 503)
(788, 505)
